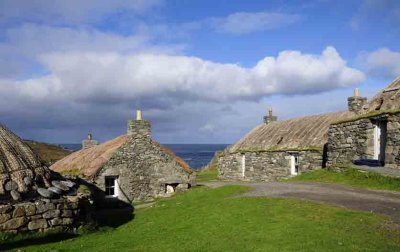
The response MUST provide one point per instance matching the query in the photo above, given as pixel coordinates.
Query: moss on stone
(368, 115)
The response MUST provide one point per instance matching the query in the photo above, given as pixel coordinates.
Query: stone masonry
(353, 140)
(265, 166)
(43, 215)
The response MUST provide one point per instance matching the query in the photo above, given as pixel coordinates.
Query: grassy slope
(210, 172)
(49, 153)
(211, 220)
(351, 177)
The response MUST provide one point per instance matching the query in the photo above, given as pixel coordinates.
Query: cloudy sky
(203, 71)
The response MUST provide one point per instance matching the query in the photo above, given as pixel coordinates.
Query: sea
(196, 155)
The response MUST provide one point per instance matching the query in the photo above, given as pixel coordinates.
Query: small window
(111, 186)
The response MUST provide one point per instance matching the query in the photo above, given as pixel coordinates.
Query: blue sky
(201, 71)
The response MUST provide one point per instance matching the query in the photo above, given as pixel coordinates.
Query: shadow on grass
(114, 217)
(19, 241)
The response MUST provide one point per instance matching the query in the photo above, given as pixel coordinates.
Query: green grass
(214, 220)
(351, 177)
(207, 175)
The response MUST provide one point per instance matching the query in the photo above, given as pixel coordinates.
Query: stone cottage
(31, 196)
(130, 167)
(280, 149)
(373, 135)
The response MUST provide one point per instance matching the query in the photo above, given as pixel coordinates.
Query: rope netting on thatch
(20, 168)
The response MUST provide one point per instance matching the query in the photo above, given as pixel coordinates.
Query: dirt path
(382, 202)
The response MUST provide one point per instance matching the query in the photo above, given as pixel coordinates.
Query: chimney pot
(138, 115)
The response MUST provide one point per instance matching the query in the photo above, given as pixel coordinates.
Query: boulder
(51, 214)
(45, 193)
(5, 209)
(30, 209)
(68, 183)
(28, 181)
(55, 190)
(15, 195)
(19, 211)
(11, 185)
(44, 207)
(4, 217)
(14, 223)
(60, 185)
(37, 224)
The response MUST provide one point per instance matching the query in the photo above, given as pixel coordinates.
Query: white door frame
(293, 164)
(243, 164)
(377, 140)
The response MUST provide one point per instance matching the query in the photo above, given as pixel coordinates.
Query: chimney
(139, 128)
(355, 103)
(270, 118)
(89, 142)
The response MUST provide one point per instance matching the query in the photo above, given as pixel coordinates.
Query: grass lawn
(351, 177)
(212, 220)
(207, 175)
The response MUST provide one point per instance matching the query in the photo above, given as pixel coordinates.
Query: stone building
(280, 149)
(31, 196)
(373, 135)
(130, 167)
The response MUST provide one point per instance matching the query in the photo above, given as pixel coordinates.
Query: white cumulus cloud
(381, 63)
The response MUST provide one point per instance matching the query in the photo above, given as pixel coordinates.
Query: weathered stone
(56, 222)
(68, 221)
(28, 181)
(19, 211)
(68, 183)
(14, 223)
(45, 193)
(15, 195)
(67, 213)
(11, 185)
(51, 214)
(4, 217)
(60, 185)
(55, 190)
(43, 207)
(30, 209)
(37, 224)
(5, 209)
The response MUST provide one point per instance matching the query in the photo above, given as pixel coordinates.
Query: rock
(36, 224)
(28, 181)
(30, 209)
(15, 195)
(51, 214)
(11, 185)
(72, 192)
(14, 223)
(45, 193)
(44, 207)
(68, 221)
(68, 183)
(19, 211)
(4, 217)
(60, 185)
(56, 222)
(5, 209)
(67, 213)
(55, 190)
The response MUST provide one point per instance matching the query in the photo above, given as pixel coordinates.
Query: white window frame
(115, 186)
(377, 140)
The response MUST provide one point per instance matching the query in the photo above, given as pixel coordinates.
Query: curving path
(382, 202)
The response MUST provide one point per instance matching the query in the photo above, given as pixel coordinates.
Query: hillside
(48, 153)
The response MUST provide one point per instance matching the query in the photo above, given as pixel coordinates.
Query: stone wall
(265, 166)
(43, 215)
(349, 141)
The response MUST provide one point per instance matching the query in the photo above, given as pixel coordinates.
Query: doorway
(380, 128)
(294, 164)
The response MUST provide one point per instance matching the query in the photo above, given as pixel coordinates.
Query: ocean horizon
(196, 155)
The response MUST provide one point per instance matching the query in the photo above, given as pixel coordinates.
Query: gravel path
(382, 202)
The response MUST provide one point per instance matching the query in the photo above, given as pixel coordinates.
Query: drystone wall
(349, 141)
(265, 166)
(58, 215)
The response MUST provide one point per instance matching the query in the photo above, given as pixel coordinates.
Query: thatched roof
(309, 132)
(387, 99)
(17, 161)
(88, 162)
